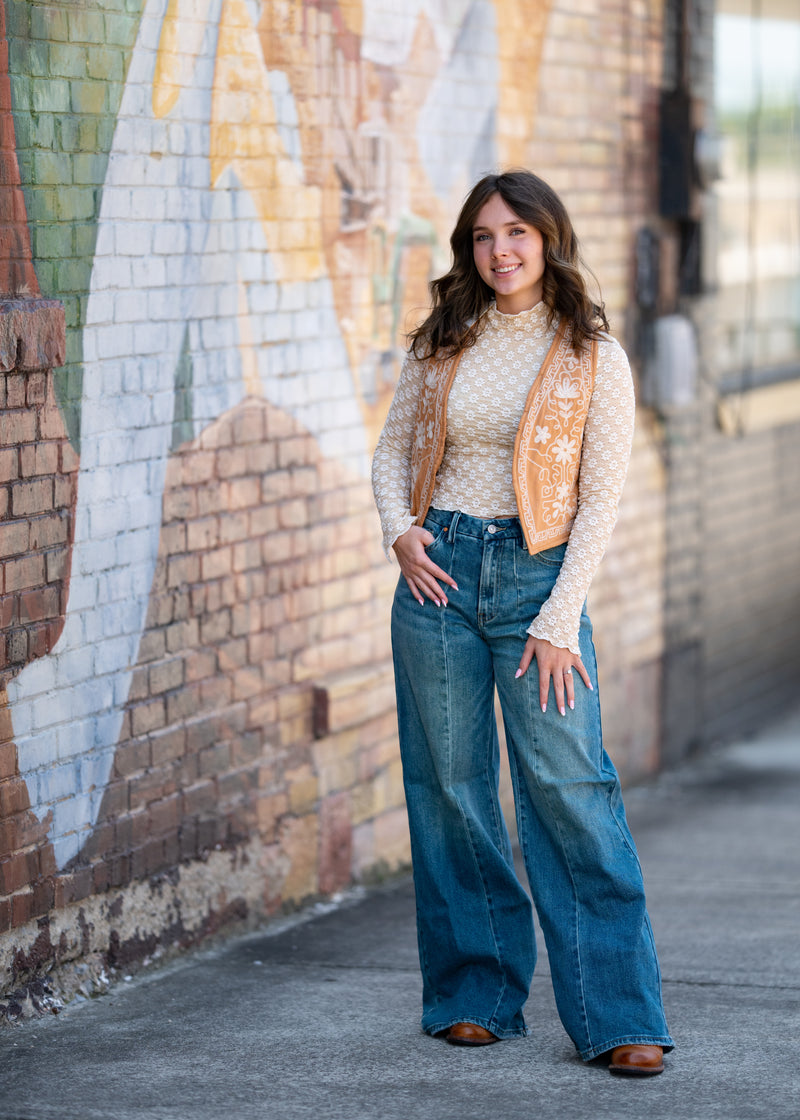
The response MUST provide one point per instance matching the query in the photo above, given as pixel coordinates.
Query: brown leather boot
(469, 1034)
(638, 1060)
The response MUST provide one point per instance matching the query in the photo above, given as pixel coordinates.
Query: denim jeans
(474, 920)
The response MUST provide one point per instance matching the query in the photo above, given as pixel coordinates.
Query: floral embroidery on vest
(547, 455)
(547, 450)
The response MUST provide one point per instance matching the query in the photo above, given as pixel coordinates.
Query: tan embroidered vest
(547, 450)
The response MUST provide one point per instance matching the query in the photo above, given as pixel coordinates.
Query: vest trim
(547, 449)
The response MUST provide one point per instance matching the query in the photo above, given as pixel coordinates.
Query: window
(757, 103)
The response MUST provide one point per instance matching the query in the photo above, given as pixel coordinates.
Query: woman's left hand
(558, 663)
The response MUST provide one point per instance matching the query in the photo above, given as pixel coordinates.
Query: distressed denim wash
(474, 920)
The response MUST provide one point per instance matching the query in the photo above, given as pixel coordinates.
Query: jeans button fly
(492, 529)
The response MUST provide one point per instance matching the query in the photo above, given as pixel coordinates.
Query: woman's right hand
(421, 574)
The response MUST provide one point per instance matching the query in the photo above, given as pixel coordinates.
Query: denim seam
(486, 893)
(554, 817)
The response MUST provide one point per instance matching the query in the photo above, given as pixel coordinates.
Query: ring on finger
(567, 672)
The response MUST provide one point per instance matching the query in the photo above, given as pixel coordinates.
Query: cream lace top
(484, 409)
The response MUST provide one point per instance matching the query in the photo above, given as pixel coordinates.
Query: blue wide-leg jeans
(474, 919)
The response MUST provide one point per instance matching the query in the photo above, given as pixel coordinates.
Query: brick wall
(240, 214)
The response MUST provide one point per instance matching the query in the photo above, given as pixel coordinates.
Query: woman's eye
(519, 231)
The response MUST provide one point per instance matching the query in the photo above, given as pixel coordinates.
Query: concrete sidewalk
(320, 1020)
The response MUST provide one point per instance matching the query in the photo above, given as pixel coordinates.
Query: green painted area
(67, 60)
(182, 427)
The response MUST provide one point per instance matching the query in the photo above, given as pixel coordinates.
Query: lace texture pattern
(484, 410)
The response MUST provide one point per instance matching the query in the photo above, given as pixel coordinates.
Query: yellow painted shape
(245, 138)
(178, 46)
(521, 28)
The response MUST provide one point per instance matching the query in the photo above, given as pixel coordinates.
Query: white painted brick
(151, 272)
(134, 239)
(103, 554)
(83, 594)
(57, 782)
(170, 238)
(73, 737)
(73, 666)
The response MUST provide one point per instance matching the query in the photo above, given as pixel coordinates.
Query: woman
(497, 478)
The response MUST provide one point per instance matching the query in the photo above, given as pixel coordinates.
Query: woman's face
(509, 256)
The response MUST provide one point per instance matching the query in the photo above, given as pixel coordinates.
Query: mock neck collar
(533, 320)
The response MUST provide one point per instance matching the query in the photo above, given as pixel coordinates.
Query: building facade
(220, 219)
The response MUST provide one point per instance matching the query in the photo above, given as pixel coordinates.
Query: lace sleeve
(391, 464)
(607, 439)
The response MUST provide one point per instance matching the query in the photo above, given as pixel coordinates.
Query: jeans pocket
(440, 534)
(552, 557)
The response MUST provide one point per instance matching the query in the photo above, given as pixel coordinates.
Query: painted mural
(278, 191)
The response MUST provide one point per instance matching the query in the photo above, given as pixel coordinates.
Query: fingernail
(518, 674)
(444, 602)
(572, 705)
(421, 602)
(591, 686)
(436, 601)
(544, 707)
(455, 587)
(563, 710)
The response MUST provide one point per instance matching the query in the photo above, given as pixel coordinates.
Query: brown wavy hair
(461, 297)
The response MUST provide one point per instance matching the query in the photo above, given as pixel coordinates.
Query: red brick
(147, 717)
(216, 564)
(168, 675)
(296, 451)
(39, 458)
(196, 467)
(243, 493)
(167, 745)
(182, 570)
(32, 497)
(215, 692)
(35, 389)
(49, 529)
(180, 503)
(43, 897)
(39, 604)
(9, 464)
(212, 498)
(248, 425)
(8, 759)
(234, 527)
(202, 534)
(69, 458)
(64, 491)
(57, 562)
(14, 538)
(39, 640)
(13, 797)
(214, 760)
(17, 427)
(231, 462)
(14, 873)
(201, 798)
(21, 909)
(15, 390)
(132, 757)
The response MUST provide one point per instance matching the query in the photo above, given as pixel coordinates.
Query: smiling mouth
(504, 271)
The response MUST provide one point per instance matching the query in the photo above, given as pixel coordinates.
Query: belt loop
(451, 534)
